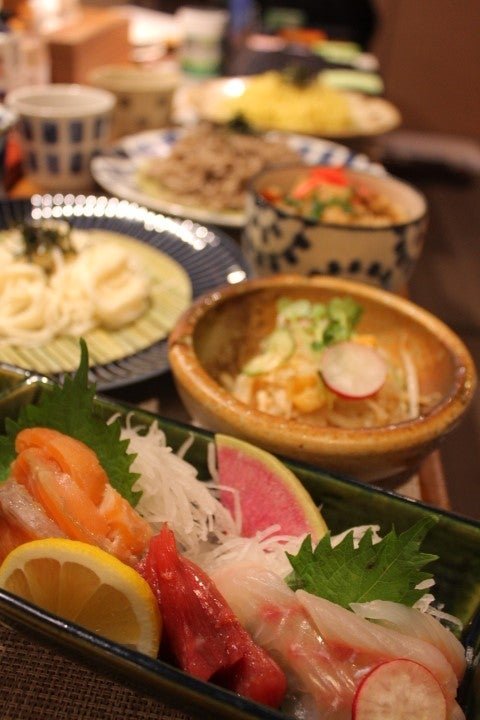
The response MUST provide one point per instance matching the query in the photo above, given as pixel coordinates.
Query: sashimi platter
(231, 582)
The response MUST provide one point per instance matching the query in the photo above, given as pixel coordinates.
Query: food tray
(127, 684)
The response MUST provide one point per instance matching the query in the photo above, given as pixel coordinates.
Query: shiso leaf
(70, 409)
(387, 570)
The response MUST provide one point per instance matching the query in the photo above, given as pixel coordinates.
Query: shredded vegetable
(368, 381)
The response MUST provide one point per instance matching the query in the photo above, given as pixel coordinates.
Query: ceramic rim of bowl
(387, 178)
(118, 78)
(56, 100)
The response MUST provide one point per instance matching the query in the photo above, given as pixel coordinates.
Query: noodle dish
(210, 166)
(57, 281)
(292, 102)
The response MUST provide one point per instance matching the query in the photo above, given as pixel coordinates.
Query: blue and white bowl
(275, 241)
(61, 126)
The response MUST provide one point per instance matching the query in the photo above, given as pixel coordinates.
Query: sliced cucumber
(277, 348)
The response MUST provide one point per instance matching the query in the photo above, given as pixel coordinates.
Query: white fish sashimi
(324, 649)
(318, 686)
(423, 626)
(349, 636)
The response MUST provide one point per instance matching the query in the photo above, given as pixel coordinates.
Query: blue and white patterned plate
(208, 256)
(116, 170)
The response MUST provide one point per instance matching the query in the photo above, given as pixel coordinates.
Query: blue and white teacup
(61, 127)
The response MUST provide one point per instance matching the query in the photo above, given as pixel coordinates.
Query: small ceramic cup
(61, 127)
(144, 96)
(203, 30)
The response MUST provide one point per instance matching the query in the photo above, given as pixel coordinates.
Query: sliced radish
(353, 370)
(399, 690)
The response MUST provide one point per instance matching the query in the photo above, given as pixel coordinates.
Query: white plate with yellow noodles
(134, 275)
(271, 101)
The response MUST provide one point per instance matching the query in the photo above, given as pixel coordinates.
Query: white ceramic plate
(117, 169)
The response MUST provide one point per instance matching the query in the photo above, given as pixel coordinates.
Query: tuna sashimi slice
(203, 634)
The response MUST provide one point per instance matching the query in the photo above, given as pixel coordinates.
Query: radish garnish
(353, 370)
(399, 690)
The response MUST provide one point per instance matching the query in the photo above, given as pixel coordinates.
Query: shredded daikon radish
(172, 492)
(205, 530)
(358, 532)
(411, 381)
(425, 604)
(267, 548)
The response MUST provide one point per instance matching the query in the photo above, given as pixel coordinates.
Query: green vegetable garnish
(299, 75)
(239, 124)
(327, 323)
(318, 206)
(69, 408)
(388, 570)
(42, 237)
(344, 314)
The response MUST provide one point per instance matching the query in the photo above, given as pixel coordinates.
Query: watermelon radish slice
(399, 690)
(353, 370)
(268, 492)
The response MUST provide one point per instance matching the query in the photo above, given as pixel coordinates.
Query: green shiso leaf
(388, 570)
(69, 408)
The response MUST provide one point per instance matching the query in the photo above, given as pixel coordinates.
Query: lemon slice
(81, 583)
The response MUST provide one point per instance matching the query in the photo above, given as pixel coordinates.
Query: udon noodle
(101, 284)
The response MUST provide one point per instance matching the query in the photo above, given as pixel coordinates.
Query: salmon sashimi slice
(60, 473)
(128, 532)
(22, 518)
(72, 456)
(360, 641)
(62, 499)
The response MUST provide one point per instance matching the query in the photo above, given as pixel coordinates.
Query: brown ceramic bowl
(222, 329)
